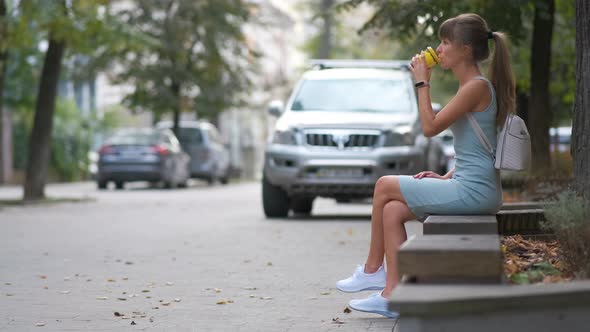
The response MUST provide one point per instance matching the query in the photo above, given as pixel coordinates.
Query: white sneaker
(375, 303)
(361, 281)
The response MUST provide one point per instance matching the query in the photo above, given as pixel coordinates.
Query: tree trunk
(176, 117)
(3, 58)
(40, 141)
(522, 105)
(539, 104)
(581, 123)
(326, 38)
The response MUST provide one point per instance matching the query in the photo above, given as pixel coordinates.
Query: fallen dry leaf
(347, 310)
(176, 300)
(133, 322)
(169, 283)
(40, 324)
(522, 258)
(325, 293)
(222, 302)
(111, 280)
(165, 303)
(269, 264)
(121, 299)
(102, 298)
(266, 298)
(118, 314)
(64, 292)
(43, 276)
(336, 321)
(217, 290)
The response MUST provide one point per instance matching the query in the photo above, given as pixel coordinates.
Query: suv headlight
(286, 137)
(394, 138)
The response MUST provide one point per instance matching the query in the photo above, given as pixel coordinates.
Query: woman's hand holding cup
(427, 59)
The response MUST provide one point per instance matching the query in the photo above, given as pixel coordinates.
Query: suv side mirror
(276, 108)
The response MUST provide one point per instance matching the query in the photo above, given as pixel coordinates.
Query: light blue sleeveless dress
(475, 186)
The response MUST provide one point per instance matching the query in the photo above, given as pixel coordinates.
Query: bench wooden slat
(475, 224)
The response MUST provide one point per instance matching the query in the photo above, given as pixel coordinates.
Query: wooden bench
(452, 281)
(481, 224)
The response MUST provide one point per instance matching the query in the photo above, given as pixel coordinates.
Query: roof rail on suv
(387, 64)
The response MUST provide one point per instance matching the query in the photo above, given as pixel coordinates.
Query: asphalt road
(197, 259)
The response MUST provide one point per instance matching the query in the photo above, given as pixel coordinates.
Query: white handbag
(513, 151)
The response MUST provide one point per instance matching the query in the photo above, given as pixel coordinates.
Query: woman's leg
(387, 189)
(395, 214)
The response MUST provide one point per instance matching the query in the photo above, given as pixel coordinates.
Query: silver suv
(346, 124)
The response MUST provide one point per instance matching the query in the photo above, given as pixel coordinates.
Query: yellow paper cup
(431, 57)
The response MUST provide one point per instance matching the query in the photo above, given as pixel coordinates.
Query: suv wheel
(102, 184)
(119, 184)
(274, 200)
(302, 205)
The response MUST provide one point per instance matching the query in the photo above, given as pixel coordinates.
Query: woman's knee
(385, 184)
(394, 213)
(387, 187)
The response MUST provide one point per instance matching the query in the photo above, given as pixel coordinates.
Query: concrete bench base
(491, 308)
(447, 258)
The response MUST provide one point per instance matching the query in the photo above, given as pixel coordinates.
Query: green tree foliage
(75, 26)
(196, 58)
(95, 35)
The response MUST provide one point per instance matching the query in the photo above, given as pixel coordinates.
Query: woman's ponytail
(502, 77)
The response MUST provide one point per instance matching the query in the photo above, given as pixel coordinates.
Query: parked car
(209, 154)
(446, 138)
(346, 124)
(153, 155)
(560, 138)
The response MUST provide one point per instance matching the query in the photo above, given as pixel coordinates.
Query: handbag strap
(480, 134)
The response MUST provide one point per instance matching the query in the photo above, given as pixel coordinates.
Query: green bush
(71, 140)
(569, 218)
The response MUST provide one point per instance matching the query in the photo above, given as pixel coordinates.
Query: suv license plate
(339, 173)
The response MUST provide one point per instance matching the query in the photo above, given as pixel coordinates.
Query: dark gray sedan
(152, 155)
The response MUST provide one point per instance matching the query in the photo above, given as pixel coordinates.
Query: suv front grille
(342, 140)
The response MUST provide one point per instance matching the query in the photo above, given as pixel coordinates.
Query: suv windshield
(134, 138)
(362, 95)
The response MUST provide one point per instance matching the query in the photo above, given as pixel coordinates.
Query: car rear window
(190, 135)
(361, 95)
(134, 138)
